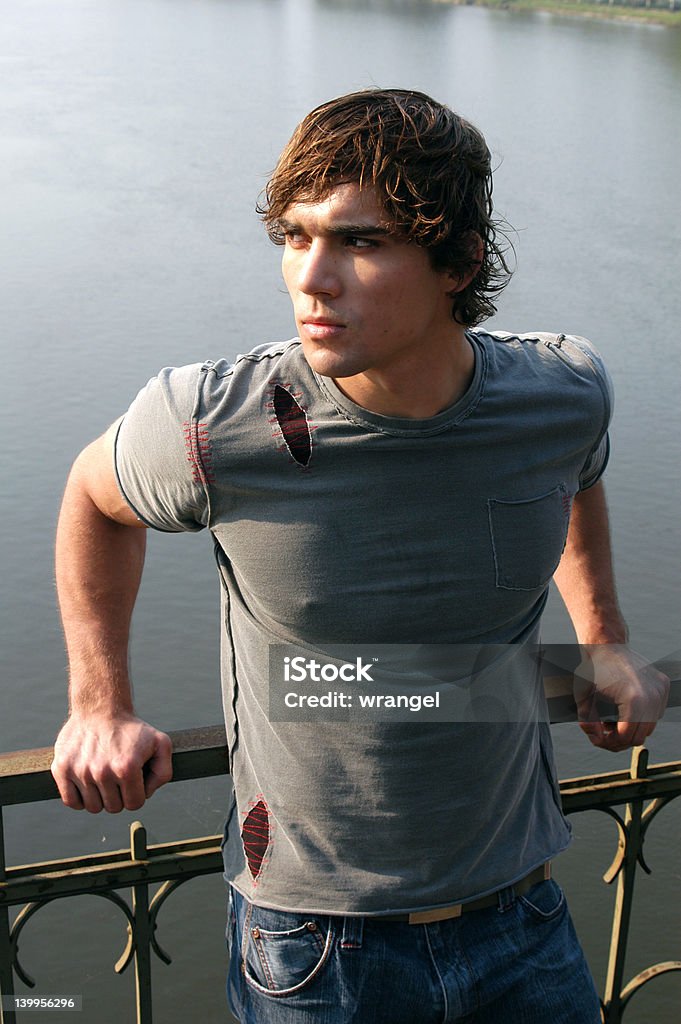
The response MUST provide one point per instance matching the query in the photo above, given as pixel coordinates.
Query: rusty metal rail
(640, 792)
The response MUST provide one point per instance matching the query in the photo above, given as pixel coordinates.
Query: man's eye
(359, 242)
(296, 239)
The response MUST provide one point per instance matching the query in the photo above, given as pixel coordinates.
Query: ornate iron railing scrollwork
(24, 777)
(643, 784)
(641, 979)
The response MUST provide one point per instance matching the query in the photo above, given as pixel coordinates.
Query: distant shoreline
(571, 8)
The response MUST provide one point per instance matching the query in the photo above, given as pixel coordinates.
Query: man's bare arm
(105, 757)
(586, 582)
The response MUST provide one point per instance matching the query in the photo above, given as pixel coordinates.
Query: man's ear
(458, 280)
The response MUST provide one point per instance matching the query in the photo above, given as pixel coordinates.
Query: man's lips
(321, 327)
(321, 321)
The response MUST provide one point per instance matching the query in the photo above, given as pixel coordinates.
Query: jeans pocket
(545, 901)
(528, 538)
(282, 963)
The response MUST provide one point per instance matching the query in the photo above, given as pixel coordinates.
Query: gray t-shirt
(335, 525)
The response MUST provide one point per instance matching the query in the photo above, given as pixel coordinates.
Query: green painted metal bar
(6, 975)
(631, 840)
(589, 794)
(197, 754)
(105, 872)
(142, 928)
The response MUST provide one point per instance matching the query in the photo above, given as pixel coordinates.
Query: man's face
(364, 298)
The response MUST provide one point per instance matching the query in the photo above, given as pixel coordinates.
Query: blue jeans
(515, 963)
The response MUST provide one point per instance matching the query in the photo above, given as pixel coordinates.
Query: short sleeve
(594, 467)
(158, 452)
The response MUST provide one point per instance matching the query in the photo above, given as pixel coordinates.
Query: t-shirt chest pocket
(528, 537)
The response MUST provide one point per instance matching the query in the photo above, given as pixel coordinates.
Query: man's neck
(421, 387)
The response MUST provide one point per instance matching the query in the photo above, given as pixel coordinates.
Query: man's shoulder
(183, 389)
(557, 354)
(260, 358)
(214, 377)
(569, 348)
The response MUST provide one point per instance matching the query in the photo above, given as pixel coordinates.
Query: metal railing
(639, 794)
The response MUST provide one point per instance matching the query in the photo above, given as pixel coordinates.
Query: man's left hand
(626, 679)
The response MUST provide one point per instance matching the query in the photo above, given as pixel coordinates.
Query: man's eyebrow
(358, 229)
(338, 229)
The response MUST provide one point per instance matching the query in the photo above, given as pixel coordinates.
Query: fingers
(618, 675)
(111, 766)
(68, 791)
(82, 790)
(92, 800)
(79, 796)
(617, 736)
(159, 769)
(634, 734)
(132, 790)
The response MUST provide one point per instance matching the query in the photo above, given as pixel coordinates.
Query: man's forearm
(104, 756)
(609, 668)
(585, 576)
(99, 566)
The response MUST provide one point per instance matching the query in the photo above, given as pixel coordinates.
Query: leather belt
(457, 909)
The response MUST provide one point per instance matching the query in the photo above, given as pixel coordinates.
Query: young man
(389, 477)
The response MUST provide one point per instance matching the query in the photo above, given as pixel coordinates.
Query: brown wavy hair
(431, 168)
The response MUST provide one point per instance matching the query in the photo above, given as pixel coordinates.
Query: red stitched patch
(199, 454)
(255, 836)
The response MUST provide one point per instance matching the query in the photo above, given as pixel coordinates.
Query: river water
(136, 136)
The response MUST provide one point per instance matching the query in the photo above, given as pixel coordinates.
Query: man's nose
(318, 272)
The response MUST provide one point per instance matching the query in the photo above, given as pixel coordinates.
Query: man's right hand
(110, 763)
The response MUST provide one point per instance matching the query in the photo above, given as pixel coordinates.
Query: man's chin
(330, 364)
